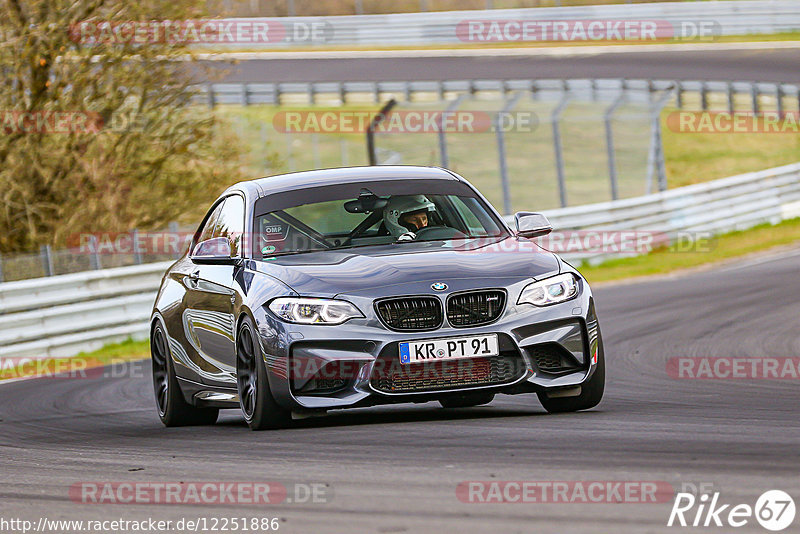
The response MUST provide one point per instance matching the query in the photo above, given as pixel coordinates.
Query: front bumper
(314, 367)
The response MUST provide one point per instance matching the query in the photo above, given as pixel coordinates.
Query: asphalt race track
(766, 65)
(395, 469)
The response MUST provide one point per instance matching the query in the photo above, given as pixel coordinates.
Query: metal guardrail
(61, 315)
(738, 17)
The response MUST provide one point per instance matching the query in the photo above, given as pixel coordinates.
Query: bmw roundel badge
(438, 286)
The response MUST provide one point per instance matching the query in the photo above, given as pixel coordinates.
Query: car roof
(300, 180)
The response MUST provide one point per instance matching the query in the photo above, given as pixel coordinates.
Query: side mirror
(214, 250)
(532, 224)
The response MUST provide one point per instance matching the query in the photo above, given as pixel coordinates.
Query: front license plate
(448, 348)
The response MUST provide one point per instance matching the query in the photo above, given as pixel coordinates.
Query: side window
(230, 223)
(474, 225)
(207, 232)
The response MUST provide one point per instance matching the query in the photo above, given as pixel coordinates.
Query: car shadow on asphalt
(380, 416)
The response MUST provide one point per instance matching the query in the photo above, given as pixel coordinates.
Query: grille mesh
(475, 308)
(446, 374)
(549, 359)
(411, 313)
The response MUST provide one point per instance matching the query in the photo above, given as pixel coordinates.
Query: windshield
(371, 219)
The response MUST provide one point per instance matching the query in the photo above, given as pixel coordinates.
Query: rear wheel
(467, 400)
(173, 410)
(591, 391)
(260, 410)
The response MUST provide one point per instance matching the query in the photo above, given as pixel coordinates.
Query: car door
(210, 298)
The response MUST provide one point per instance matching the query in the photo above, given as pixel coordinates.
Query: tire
(591, 391)
(173, 410)
(467, 400)
(259, 408)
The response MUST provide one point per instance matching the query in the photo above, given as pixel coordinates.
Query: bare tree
(98, 133)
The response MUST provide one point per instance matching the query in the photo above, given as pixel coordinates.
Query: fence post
(555, 118)
(501, 152)
(1, 267)
(779, 99)
(443, 156)
(376, 120)
(612, 159)
(137, 254)
(359, 7)
(172, 228)
(47, 260)
(655, 155)
(95, 253)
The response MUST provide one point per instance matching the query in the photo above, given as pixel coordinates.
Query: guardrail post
(210, 95)
(754, 98)
(245, 95)
(359, 7)
(311, 93)
(729, 92)
(137, 254)
(1, 267)
(779, 99)
(47, 260)
(555, 118)
(342, 93)
(501, 151)
(612, 159)
(679, 95)
(704, 96)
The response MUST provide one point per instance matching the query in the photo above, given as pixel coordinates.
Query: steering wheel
(434, 233)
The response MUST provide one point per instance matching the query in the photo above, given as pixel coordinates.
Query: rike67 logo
(774, 510)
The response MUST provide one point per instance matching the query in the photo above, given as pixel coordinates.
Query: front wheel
(591, 391)
(173, 410)
(260, 410)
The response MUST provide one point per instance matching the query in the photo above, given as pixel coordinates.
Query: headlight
(313, 311)
(550, 290)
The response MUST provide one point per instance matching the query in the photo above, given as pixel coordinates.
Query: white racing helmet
(398, 206)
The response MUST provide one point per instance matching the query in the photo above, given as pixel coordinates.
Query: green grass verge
(723, 247)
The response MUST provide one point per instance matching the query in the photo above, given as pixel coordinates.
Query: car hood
(369, 270)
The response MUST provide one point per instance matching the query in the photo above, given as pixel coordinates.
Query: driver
(407, 213)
